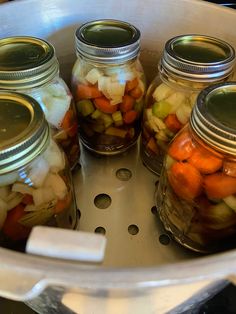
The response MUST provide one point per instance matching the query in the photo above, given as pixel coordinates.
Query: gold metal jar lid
(24, 131)
(214, 117)
(107, 41)
(198, 57)
(26, 62)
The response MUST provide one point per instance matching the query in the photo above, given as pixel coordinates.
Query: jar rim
(26, 62)
(198, 57)
(107, 41)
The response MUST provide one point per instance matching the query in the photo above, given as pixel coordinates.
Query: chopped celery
(96, 114)
(107, 119)
(116, 132)
(99, 128)
(117, 118)
(85, 107)
(161, 109)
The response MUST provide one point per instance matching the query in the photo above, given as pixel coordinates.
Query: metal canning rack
(115, 196)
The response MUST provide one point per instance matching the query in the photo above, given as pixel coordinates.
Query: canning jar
(197, 189)
(189, 63)
(35, 179)
(29, 65)
(108, 85)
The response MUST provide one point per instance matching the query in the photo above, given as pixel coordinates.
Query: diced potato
(93, 76)
(162, 92)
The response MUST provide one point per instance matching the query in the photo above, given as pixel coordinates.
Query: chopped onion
(43, 195)
(4, 192)
(3, 205)
(39, 171)
(162, 92)
(93, 76)
(57, 184)
(54, 157)
(183, 113)
(22, 188)
(14, 199)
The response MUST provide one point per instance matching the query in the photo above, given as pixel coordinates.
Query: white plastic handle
(66, 244)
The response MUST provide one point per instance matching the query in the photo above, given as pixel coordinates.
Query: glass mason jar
(108, 85)
(189, 64)
(196, 196)
(29, 65)
(35, 180)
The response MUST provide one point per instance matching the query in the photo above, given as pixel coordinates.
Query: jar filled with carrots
(35, 180)
(29, 65)
(108, 85)
(189, 63)
(197, 189)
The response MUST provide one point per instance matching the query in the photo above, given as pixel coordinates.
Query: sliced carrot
(68, 120)
(205, 161)
(152, 146)
(136, 92)
(12, 228)
(130, 116)
(127, 103)
(104, 105)
(73, 130)
(131, 84)
(87, 91)
(61, 205)
(182, 147)
(27, 199)
(185, 180)
(172, 123)
(219, 185)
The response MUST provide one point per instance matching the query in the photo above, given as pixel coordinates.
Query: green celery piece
(96, 114)
(85, 107)
(107, 119)
(117, 118)
(161, 109)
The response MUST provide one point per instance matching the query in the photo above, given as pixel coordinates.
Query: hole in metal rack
(100, 230)
(78, 213)
(133, 229)
(123, 174)
(154, 210)
(164, 239)
(102, 201)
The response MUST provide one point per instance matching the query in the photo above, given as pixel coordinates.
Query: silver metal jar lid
(198, 57)
(107, 41)
(24, 131)
(214, 117)
(26, 62)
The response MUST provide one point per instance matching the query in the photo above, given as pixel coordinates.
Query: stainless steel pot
(144, 271)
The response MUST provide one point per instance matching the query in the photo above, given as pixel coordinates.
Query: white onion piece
(9, 178)
(57, 184)
(22, 188)
(183, 113)
(93, 76)
(162, 92)
(43, 195)
(39, 171)
(4, 191)
(175, 100)
(54, 157)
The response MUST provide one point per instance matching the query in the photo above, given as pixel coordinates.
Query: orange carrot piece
(172, 123)
(152, 146)
(12, 228)
(136, 92)
(131, 84)
(185, 180)
(27, 199)
(87, 92)
(219, 185)
(73, 130)
(182, 147)
(127, 103)
(61, 205)
(130, 116)
(205, 161)
(104, 105)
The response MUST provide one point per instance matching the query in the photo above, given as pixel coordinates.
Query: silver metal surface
(134, 233)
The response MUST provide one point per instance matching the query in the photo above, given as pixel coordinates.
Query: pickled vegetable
(109, 103)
